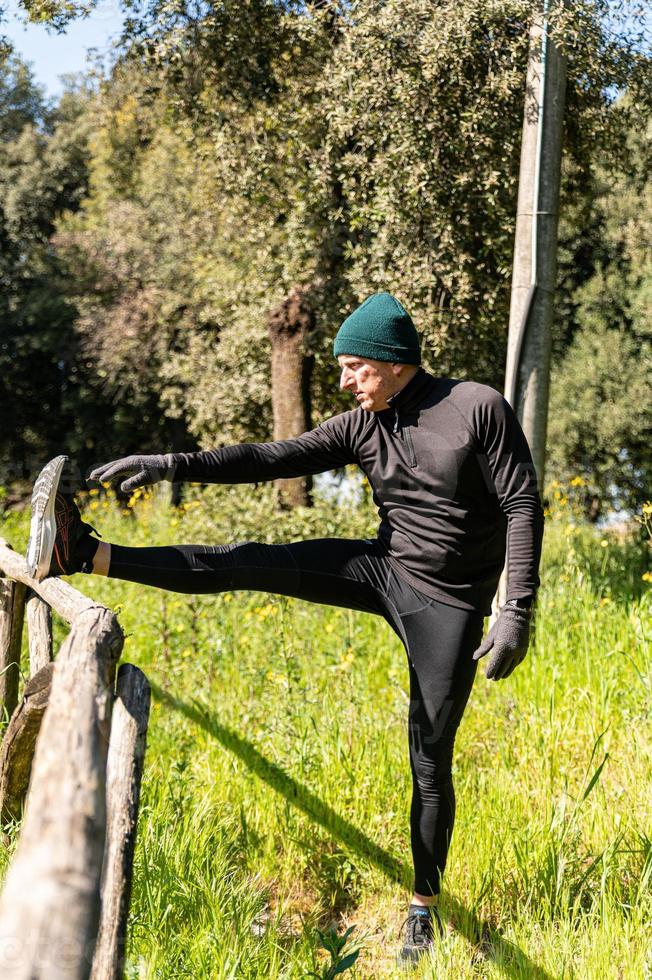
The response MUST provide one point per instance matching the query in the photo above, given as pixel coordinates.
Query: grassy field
(277, 786)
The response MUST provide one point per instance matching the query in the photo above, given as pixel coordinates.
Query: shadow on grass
(488, 942)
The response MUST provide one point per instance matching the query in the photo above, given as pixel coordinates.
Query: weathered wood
(123, 775)
(66, 601)
(12, 612)
(18, 744)
(39, 632)
(50, 904)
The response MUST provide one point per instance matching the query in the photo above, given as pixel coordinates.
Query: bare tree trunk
(289, 327)
(124, 771)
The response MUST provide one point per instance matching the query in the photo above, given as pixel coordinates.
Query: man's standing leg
(440, 640)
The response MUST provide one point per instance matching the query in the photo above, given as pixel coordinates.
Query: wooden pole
(123, 777)
(534, 275)
(19, 742)
(12, 611)
(39, 632)
(50, 904)
(535, 249)
(66, 601)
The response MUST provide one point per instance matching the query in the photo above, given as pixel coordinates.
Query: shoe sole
(43, 526)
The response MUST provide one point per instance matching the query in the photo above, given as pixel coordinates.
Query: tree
(42, 171)
(241, 152)
(601, 414)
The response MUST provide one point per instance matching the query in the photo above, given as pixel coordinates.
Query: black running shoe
(59, 541)
(421, 926)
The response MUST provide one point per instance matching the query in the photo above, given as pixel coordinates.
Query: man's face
(372, 382)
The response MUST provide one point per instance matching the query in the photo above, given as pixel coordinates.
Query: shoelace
(419, 929)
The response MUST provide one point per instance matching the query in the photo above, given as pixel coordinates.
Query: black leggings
(439, 640)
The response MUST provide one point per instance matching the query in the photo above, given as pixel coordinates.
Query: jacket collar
(413, 393)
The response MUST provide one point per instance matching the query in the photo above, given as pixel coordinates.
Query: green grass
(276, 787)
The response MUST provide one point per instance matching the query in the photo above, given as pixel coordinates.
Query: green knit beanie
(380, 329)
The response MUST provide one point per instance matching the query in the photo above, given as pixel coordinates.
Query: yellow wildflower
(647, 576)
(647, 508)
(578, 481)
(346, 661)
(604, 543)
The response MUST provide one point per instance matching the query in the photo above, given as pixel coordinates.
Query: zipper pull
(396, 421)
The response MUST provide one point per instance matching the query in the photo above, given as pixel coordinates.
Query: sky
(53, 55)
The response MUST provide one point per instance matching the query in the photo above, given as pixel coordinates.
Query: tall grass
(277, 786)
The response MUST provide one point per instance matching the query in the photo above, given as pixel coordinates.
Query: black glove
(142, 471)
(509, 638)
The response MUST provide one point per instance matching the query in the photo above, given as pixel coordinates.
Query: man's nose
(345, 378)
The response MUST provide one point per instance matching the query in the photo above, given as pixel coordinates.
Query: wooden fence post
(50, 904)
(12, 611)
(123, 775)
(19, 742)
(39, 632)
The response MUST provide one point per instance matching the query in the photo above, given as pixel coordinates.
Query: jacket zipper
(401, 432)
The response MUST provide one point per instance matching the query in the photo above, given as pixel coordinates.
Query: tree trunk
(289, 327)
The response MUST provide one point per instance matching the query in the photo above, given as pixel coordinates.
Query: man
(453, 480)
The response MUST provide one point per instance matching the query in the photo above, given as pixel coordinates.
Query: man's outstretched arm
(325, 448)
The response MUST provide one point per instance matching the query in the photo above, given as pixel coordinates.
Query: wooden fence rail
(64, 904)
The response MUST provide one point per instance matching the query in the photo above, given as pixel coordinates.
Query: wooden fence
(76, 741)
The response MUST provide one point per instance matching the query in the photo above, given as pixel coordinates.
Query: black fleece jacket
(451, 475)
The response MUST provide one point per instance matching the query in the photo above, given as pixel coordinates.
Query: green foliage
(21, 99)
(359, 149)
(236, 151)
(601, 410)
(341, 958)
(42, 172)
